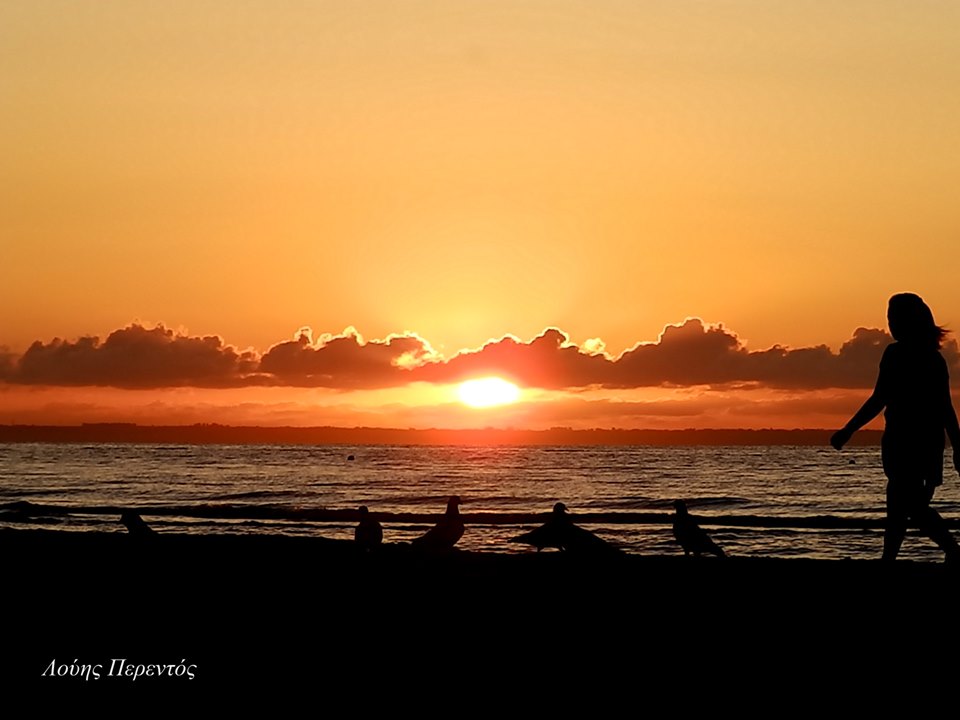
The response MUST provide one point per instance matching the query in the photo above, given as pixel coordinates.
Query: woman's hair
(911, 321)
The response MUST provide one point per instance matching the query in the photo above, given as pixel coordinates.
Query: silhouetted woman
(914, 387)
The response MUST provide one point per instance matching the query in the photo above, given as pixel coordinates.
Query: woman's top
(914, 385)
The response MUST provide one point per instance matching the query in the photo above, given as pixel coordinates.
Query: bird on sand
(445, 534)
(368, 534)
(555, 532)
(692, 538)
(135, 524)
(560, 532)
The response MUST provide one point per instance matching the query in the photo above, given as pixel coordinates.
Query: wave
(13, 493)
(650, 503)
(253, 494)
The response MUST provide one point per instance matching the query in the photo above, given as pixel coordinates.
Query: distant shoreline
(207, 434)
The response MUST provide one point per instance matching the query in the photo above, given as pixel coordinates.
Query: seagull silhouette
(560, 532)
(555, 532)
(135, 524)
(445, 534)
(692, 538)
(368, 533)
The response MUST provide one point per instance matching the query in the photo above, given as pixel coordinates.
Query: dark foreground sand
(260, 614)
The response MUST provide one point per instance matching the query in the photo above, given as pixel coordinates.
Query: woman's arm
(871, 408)
(950, 423)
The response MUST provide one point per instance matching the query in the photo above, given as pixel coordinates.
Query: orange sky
(463, 171)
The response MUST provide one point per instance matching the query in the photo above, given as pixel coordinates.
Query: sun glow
(487, 392)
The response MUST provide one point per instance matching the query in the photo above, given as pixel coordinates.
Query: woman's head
(911, 321)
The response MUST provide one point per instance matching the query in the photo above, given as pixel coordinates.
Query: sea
(767, 501)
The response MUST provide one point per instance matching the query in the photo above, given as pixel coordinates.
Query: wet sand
(283, 611)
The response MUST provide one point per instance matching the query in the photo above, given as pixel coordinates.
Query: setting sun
(487, 392)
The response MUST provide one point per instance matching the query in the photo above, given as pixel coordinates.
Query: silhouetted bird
(135, 524)
(692, 538)
(555, 532)
(368, 534)
(445, 534)
(560, 532)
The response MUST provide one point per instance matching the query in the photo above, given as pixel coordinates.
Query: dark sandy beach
(280, 611)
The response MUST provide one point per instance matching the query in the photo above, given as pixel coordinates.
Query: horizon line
(215, 433)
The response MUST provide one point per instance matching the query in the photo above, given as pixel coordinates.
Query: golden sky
(463, 171)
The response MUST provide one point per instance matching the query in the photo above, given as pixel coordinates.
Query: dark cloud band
(688, 354)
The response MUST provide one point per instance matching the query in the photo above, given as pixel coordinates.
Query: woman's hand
(841, 437)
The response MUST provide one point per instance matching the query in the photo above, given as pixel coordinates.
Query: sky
(644, 214)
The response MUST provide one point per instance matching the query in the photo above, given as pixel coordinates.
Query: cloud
(7, 363)
(346, 361)
(688, 354)
(695, 354)
(141, 357)
(550, 360)
(136, 357)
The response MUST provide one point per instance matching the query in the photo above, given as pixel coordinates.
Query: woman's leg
(897, 513)
(934, 527)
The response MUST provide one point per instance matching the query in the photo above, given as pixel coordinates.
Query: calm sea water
(795, 483)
